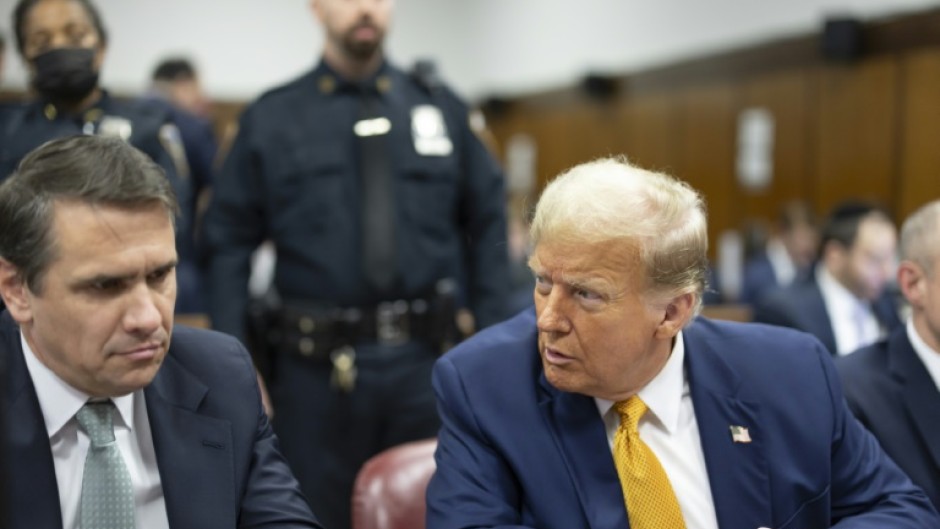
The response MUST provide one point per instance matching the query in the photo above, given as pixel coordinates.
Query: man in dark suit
(788, 255)
(847, 303)
(892, 386)
(605, 408)
(96, 397)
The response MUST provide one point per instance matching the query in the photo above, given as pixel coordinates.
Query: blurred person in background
(175, 84)
(386, 212)
(848, 302)
(63, 44)
(787, 256)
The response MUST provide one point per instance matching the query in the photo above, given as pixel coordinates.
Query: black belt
(314, 331)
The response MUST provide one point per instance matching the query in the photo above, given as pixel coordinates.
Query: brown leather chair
(389, 489)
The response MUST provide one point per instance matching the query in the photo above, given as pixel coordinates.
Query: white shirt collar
(834, 291)
(780, 261)
(663, 394)
(928, 356)
(60, 402)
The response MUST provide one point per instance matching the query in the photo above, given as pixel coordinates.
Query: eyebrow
(165, 267)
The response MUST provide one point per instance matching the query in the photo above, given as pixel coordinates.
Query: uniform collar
(328, 81)
(91, 114)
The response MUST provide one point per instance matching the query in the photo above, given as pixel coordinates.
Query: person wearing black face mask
(63, 43)
(65, 75)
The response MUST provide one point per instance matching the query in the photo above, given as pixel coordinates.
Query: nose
(551, 314)
(142, 315)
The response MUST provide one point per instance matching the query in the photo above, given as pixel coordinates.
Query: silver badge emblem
(430, 132)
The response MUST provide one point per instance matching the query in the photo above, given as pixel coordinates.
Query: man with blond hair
(611, 403)
(892, 386)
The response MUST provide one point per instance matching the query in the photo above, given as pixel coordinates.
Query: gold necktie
(651, 502)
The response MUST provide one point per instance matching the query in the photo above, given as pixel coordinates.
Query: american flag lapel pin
(739, 434)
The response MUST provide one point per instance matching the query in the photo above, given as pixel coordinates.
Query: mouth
(556, 357)
(143, 352)
(365, 31)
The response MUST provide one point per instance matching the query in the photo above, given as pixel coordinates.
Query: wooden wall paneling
(651, 130)
(597, 130)
(786, 95)
(856, 147)
(920, 148)
(707, 148)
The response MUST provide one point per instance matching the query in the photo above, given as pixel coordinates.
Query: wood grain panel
(706, 146)
(920, 146)
(786, 95)
(857, 129)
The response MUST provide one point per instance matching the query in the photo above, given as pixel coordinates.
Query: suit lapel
(33, 489)
(817, 317)
(918, 391)
(194, 452)
(737, 471)
(578, 431)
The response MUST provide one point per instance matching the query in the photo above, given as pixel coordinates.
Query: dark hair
(23, 8)
(842, 224)
(174, 69)
(795, 213)
(94, 170)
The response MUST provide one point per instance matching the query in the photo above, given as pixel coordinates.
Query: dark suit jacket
(218, 458)
(516, 452)
(758, 277)
(801, 306)
(890, 391)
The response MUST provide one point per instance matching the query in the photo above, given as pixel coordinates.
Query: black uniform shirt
(144, 125)
(292, 177)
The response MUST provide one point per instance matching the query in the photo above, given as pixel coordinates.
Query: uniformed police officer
(63, 44)
(382, 205)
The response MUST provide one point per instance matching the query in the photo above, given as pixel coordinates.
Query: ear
(14, 292)
(912, 282)
(678, 312)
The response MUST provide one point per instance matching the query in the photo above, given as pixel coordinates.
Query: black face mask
(65, 74)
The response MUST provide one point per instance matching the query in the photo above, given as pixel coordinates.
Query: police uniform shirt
(143, 125)
(292, 177)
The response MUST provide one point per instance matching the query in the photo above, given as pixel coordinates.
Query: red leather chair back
(390, 487)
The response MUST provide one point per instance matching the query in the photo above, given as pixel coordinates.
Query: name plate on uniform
(372, 127)
(430, 132)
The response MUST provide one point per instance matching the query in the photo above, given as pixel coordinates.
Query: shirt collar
(663, 394)
(928, 356)
(60, 402)
(834, 292)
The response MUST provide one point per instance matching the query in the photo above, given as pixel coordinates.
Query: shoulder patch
(173, 143)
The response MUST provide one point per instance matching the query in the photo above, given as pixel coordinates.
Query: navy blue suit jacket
(516, 452)
(216, 453)
(801, 306)
(758, 277)
(890, 391)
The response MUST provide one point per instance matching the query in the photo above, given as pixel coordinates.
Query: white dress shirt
(853, 321)
(59, 403)
(780, 262)
(670, 430)
(928, 356)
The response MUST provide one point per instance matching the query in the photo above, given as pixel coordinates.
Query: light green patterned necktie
(107, 491)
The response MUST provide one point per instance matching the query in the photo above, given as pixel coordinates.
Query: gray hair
(90, 169)
(611, 200)
(919, 236)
